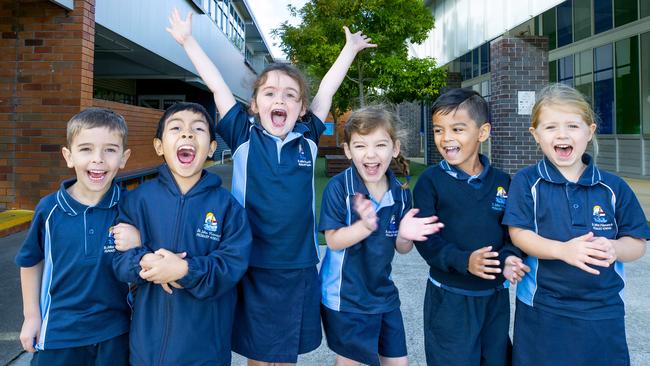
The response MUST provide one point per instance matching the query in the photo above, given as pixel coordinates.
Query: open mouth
(563, 151)
(278, 117)
(371, 169)
(186, 154)
(96, 175)
(451, 151)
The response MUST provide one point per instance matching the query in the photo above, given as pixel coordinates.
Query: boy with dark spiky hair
(466, 306)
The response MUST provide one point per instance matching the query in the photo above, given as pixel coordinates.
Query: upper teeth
(187, 148)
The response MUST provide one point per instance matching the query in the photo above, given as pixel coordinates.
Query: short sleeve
(629, 215)
(235, 126)
(333, 213)
(32, 252)
(519, 206)
(315, 126)
(130, 212)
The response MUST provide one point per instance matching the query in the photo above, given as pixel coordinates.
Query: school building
(58, 57)
(509, 49)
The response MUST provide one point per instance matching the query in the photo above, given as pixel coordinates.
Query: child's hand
(366, 212)
(607, 247)
(147, 260)
(30, 333)
(171, 267)
(583, 250)
(514, 269)
(417, 228)
(357, 41)
(180, 29)
(481, 265)
(126, 237)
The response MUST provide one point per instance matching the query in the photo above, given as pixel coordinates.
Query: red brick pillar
(517, 64)
(46, 76)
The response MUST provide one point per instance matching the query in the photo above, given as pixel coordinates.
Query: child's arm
(181, 30)
(354, 42)
(347, 236)
(623, 249)
(30, 282)
(514, 269)
(580, 252)
(212, 274)
(415, 228)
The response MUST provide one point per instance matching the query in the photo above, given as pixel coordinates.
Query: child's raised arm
(354, 42)
(181, 30)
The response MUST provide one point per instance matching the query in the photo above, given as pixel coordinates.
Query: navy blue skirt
(278, 314)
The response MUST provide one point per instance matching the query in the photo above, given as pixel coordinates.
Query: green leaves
(384, 72)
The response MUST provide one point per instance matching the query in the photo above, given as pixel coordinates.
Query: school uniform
(558, 303)
(83, 306)
(274, 180)
(465, 317)
(191, 326)
(360, 309)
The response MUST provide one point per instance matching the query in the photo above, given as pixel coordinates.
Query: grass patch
(322, 179)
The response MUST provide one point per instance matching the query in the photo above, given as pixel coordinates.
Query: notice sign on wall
(525, 102)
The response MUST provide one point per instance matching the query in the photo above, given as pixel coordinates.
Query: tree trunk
(362, 97)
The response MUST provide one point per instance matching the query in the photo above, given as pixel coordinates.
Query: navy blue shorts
(278, 314)
(114, 351)
(466, 330)
(542, 338)
(362, 337)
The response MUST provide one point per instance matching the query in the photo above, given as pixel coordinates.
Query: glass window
(466, 66)
(602, 15)
(625, 11)
(564, 24)
(645, 81)
(627, 86)
(548, 28)
(485, 58)
(604, 88)
(583, 73)
(565, 70)
(645, 8)
(552, 72)
(581, 19)
(475, 63)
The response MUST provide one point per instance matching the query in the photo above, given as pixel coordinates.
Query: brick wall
(517, 64)
(46, 58)
(142, 123)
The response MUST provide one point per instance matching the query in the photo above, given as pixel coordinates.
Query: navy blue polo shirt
(474, 181)
(274, 180)
(357, 279)
(81, 300)
(543, 201)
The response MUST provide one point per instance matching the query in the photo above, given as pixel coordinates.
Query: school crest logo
(302, 157)
(210, 223)
(500, 199)
(600, 220)
(109, 247)
(210, 228)
(392, 227)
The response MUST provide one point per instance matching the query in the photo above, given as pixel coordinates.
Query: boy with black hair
(466, 306)
(195, 238)
(76, 311)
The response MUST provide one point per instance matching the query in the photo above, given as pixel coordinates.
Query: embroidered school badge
(600, 219)
(210, 223)
(500, 199)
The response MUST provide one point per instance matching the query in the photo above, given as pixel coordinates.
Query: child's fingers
(490, 262)
(587, 269)
(166, 288)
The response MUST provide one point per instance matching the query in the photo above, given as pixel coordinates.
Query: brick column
(517, 64)
(46, 76)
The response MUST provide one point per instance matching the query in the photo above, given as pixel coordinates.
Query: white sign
(525, 102)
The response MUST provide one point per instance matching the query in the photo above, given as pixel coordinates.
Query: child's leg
(392, 340)
(495, 341)
(113, 352)
(262, 363)
(344, 361)
(63, 357)
(451, 331)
